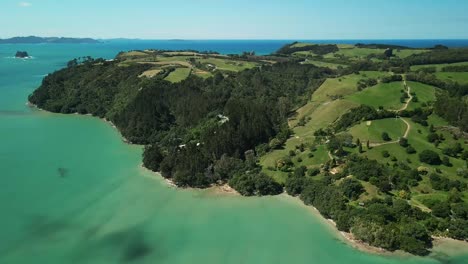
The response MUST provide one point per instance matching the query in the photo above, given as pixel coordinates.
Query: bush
(441, 209)
(446, 161)
(430, 157)
(385, 136)
(403, 142)
(255, 184)
(351, 188)
(432, 137)
(410, 150)
(385, 154)
(313, 172)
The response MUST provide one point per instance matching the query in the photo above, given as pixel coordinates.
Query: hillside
(370, 135)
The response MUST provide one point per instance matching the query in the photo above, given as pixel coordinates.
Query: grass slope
(178, 75)
(372, 130)
(384, 94)
(460, 77)
(424, 93)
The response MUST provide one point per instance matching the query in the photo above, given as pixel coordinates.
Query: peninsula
(373, 136)
(42, 40)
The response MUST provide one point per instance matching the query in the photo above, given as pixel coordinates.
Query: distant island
(40, 40)
(21, 54)
(373, 136)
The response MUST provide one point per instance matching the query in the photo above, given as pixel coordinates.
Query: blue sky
(236, 19)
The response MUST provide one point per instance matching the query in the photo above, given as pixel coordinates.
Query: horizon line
(274, 39)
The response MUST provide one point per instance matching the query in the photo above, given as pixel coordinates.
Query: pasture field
(178, 75)
(386, 95)
(372, 130)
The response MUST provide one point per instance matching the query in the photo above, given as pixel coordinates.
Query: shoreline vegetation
(266, 125)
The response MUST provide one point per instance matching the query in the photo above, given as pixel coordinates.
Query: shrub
(313, 171)
(351, 188)
(446, 161)
(410, 150)
(403, 142)
(430, 157)
(385, 136)
(432, 137)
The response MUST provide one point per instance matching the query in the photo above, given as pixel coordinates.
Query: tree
(464, 155)
(454, 196)
(388, 53)
(403, 142)
(385, 154)
(351, 188)
(152, 157)
(360, 148)
(385, 136)
(441, 209)
(446, 161)
(313, 172)
(249, 184)
(432, 137)
(368, 144)
(430, 157)
(410, 150)
(414, 238)
(275, 143)
(226, 167)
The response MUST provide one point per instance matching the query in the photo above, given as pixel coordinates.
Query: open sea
(72, 192)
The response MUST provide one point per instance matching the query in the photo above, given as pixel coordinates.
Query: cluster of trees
(418, 115)
(441, 183)
(390, 223)
(438, 56)
(249, 184)
(364, 83)
(380, 46)
(461, 68)
(392, 78)
(94, 87)
(316, 49)
(359, 114)
(430, 157)
(454, 109)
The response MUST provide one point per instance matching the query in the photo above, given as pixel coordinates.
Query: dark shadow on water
(131, 245)
(13, 113)
(38, 229)
(136, 249)
(42, 227)
(63, 172)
